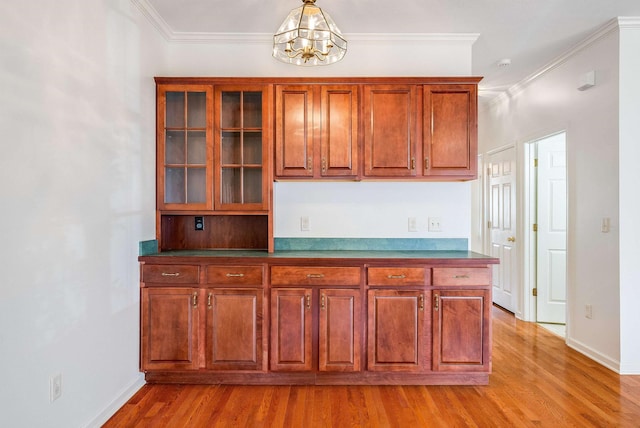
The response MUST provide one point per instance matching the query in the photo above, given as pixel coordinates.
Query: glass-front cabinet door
(184, 152)
(241, 157)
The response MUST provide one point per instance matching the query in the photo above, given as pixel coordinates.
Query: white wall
(596, 166)
(629, 153)
(76, 185)
(371, 210)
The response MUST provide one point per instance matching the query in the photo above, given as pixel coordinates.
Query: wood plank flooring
(537, 381)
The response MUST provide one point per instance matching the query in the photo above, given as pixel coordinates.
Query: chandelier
(309, 37)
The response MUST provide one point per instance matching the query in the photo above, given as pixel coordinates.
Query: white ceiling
(531, 33)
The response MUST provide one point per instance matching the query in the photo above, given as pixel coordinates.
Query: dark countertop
(265, 256)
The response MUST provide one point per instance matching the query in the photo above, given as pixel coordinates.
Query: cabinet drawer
(311, 275)
(170, 274)
(398, 276)
(461, 276)
(234, 275)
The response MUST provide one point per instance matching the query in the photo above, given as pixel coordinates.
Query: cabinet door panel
(234, 329)
(294, 131)
(450, 130)
(339, 131)
(461, 330)
(390, 130)
(291, 329)
(339, 330)
(169, 328)
(185, 147)
(397, 330)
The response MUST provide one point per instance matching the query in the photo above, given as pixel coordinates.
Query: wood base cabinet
(258, 319)
(338, 332)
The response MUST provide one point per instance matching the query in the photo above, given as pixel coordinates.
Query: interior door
(552, 230)
(502, 225)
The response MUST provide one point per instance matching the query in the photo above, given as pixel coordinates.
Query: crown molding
(610, 26)
(212, 37)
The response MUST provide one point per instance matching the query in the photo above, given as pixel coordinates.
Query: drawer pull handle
(436, 302)
(170, 273)
(209, 301)
(396, 276)
(195, 299)
(308, 298)
(322, 302)
(235, 275)
(461, 276)
(315, 275)
(421, 303)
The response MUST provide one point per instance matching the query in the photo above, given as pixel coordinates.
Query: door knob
(511, 239)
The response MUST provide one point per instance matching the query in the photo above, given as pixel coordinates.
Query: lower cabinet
(338, 334)
(169, 328)
(308, 324)
(461, 330)
(398, 333)
(234, 329)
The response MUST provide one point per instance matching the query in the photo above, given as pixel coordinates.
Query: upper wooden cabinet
(316, 133)
(213, 147)
(450, 131)
(390, 114)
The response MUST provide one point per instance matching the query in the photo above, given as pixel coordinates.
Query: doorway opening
(546, 230)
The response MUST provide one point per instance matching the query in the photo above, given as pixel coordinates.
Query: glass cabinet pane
(174, 110)
(174, 186)
(196, 185)
(174, 147)
(252, 185)
(231, 186)
(230, 115)
(252, 110)
(196, 109)
(196, 147)
(231, 148)
(252, 148)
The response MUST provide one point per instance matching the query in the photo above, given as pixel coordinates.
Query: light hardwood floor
(537, 381)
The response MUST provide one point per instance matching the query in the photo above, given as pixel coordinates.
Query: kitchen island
(316, 317)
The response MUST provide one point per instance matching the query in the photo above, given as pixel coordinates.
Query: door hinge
(535, 163)
(488, 225)
(535, 227)
(535, 292)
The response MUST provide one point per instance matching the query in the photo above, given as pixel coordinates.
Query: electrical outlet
(413, 224)
(435, 225)
(304, 223)
(55, 387)
(199, 223)
(588, 311)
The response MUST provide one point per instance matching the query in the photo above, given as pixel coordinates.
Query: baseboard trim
(117, 403)
(594, 355)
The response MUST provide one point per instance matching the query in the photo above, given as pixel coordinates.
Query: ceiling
(531, 33)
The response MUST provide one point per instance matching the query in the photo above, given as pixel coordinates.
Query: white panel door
(502, 226)
(552, 230)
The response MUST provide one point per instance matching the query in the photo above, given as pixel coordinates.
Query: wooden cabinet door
(389, 122)
(340, 330)
(234, 329)
(294, 131)
(291, 323)
(185, 147)
(398, 330)
(241, 142)
(169, 328)
(450, 131)
(339, 131)
(461, 330)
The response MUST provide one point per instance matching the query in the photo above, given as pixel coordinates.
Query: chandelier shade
(308, 37)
